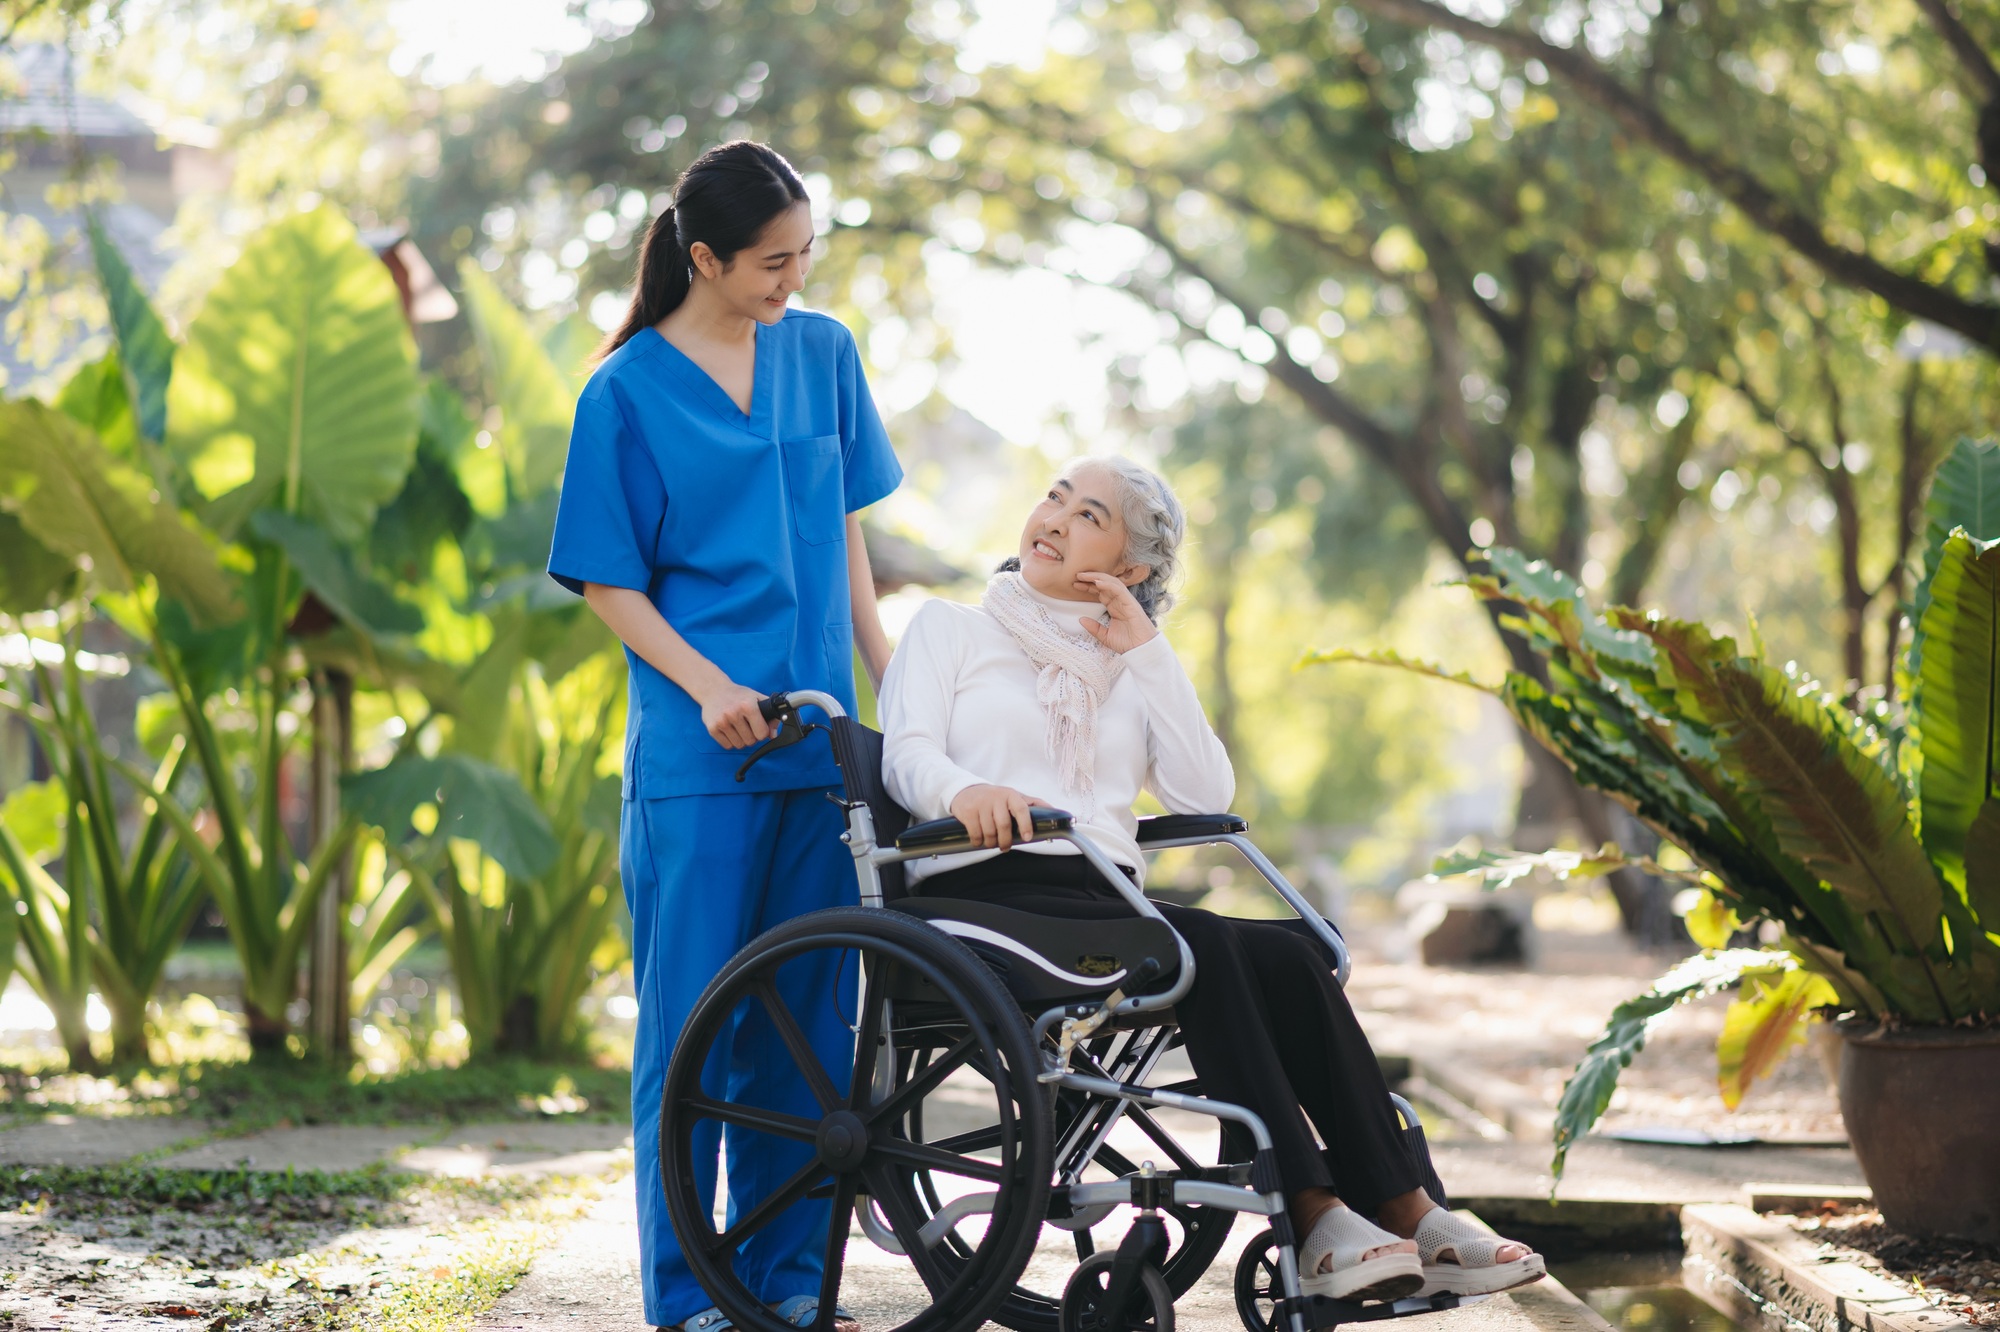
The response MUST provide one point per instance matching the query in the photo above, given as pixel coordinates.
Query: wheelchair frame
(1120, 1088)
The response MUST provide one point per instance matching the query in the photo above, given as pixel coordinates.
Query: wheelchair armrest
(1174, 827)
(938, 836)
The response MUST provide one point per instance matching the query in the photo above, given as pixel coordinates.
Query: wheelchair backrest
(858, 751)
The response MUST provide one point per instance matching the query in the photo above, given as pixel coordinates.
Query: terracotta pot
(1922, 1107)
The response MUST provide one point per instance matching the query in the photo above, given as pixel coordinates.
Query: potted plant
(1864, 844)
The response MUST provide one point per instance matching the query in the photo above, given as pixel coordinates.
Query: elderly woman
(1058, 689)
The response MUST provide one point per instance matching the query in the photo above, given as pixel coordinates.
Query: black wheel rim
(857, 1143)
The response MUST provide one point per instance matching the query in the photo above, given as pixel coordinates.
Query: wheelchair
(995, 1052)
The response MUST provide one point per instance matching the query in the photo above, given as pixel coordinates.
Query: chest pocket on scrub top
(812, 476)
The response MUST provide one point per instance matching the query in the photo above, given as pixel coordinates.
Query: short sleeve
(868, 465)
(613, 501)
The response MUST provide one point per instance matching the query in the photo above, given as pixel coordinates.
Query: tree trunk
(267, 1032)
(332, 755)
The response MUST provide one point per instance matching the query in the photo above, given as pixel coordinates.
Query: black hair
(725, 200)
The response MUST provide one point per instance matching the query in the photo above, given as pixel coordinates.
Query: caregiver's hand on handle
(733, 715)
(992, 815)
(1130, 626)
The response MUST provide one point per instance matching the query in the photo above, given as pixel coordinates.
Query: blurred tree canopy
(1635, 292)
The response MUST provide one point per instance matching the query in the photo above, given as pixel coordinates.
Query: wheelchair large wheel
(1195, 1235)
(837, 1135)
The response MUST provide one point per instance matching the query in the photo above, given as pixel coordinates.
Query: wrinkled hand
(1130, 626)
(731, 716)
(993, 814)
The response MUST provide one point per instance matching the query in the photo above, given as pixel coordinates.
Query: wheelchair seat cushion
(1048, 960)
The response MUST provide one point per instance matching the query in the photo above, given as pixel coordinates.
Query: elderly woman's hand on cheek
(1130, 626)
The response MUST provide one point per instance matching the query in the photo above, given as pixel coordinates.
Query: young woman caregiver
(719, 456)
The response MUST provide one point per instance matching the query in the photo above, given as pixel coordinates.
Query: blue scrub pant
(704, 875)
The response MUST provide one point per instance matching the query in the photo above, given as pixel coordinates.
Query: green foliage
(470, 799)
(78, 501)
(1587, 1094)
(297, 388)
(536, 400)
(1762, 1025)
(148, 360)
(1794, 807)
(123, 907)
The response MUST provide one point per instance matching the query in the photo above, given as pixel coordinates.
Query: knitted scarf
(1074, 674)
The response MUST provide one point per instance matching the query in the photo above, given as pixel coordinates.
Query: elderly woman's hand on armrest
(995, 815)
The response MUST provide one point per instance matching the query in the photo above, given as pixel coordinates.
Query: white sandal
(1339, 1238)
(1475, 1272)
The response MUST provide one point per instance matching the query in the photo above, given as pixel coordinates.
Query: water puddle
(1642, 1292)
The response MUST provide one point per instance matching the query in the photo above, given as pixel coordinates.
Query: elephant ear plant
(1866, 842)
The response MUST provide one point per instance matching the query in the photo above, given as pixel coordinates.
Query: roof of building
(38, 92)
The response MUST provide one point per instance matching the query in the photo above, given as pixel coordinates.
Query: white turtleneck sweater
(958, 709)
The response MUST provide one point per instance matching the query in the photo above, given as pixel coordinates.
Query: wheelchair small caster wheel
(1150, 1308)
(1258, 1285)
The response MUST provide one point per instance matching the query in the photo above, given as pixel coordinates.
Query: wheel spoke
(795, 1040)
(978, 1140)
(930, 1158)
(791, 1191)
(836, 1252)
(867, 1046)
(922, 1085)
(753, 1117)
(883, 1187)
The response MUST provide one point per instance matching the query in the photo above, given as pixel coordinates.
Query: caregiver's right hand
(732, 717)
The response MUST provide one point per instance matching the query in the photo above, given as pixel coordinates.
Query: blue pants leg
(703, 876)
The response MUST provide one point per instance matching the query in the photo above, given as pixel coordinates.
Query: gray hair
(1155, 526)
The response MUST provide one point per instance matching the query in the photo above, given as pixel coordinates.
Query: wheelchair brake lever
(790, 731)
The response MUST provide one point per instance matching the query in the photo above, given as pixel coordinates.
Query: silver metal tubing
(1406, 1110)
(1279, 883)
(813, 698)
(1134, 1070)
(1197, 1105)
(871, 1225)
(1202, 1193)
(1297, 901)
(954, 1212)
(860, 839)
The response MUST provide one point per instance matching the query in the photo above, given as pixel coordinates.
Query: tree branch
(1758, 202)
(1971, 55)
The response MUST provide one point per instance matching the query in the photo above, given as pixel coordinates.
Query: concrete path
(590, 1280)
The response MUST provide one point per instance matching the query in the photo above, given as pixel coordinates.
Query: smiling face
(1078, 529)
(761, 277)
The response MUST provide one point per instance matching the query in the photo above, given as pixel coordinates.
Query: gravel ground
(135, 1248)
(1960, 1276)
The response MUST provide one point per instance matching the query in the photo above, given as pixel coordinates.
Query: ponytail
(665, 274)
(725, 200)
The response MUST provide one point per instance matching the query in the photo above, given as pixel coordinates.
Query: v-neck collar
(759, 418)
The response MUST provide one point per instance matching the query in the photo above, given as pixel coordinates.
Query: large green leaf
(1965, 492)
(1982, 867)
(1831, 807)
(1763, 1024)
(329, 571)
(95, 397)
(1588, 1093)
(297, 389)
(32, 577)
(147, 353)
(77, 500)
(475, 801)
(535, 399)
(1961, 675)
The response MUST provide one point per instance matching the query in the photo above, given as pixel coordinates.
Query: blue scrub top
(734, 525)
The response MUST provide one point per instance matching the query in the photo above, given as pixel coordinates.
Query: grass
(246, 1095)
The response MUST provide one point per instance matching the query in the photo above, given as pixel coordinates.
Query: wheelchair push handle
(782, 712)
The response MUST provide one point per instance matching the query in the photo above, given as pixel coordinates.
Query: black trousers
(1265, 1025)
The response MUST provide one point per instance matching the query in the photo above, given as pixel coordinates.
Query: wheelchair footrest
(1321, 1311)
